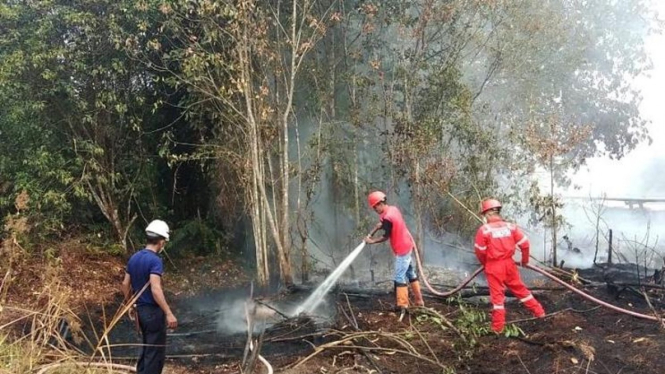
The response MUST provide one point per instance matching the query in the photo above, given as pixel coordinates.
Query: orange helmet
(489, 204)
(375, 198)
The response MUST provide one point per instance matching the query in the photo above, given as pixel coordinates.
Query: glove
(525, 262)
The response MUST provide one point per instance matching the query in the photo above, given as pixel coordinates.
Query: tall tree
(551, 143)
(242, 59)
(65, 63)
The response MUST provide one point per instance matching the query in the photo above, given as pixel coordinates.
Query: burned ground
(364, 336)
(578, 339)
(451, 336)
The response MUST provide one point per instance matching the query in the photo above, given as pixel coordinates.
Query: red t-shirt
(395, 228)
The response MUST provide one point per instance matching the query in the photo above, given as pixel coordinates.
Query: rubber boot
(417, 294)
(401, 296)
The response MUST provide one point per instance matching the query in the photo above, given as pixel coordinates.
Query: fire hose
(431, 289)
(531, 267)
(591, 298)
(451, 292)
(539, 271)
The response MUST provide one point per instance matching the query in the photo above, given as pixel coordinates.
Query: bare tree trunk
(297, 42)
(260, 249)
(257, 157)
(418, 213)
(544, 245)
(595, 256)
(257, 194)
(264, 237)
(554, 220)
(304, 253)
(283, 225)
(356, 183)
(258, 209)
(108, 206)
(301, 219)
(282, 257)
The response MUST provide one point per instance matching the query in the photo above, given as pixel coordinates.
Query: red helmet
(375, 198)
(489, 204)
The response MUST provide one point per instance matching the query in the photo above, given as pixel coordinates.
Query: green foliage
(472, 323)
(513, 331)
(427, 318)
(81, 114)
(546, 208)
(52, 256)
(198, 237)
(584, 71)
(449, 370)
(45, 177)
(114, 110)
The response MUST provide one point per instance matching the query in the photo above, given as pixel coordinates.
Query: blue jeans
(404, 270)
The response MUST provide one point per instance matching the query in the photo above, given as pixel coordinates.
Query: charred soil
(449, 336)
(362, 334)
(578, 338)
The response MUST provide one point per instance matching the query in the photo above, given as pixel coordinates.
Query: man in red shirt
(394, 229)
(495, 245)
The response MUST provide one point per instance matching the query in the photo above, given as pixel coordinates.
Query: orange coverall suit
(495, 246)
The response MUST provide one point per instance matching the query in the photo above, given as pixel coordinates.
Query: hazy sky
(622, 178)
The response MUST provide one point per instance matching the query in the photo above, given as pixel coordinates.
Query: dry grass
(31, 336)
(40, 290)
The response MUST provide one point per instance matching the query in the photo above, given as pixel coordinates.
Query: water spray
(315, 299)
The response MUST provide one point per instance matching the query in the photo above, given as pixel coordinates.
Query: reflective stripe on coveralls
(495, 246)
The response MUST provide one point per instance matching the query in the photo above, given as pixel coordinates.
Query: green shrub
(197, 237)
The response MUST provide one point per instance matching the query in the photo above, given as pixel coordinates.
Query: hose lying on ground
(451, 292)
(537, 270)
(591, 298)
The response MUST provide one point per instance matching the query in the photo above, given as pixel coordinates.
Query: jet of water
(316, 297)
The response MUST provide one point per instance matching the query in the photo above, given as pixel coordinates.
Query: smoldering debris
(232, 318)
(232, 315)
(622, 273)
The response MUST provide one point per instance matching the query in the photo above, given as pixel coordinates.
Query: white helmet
(158, 228)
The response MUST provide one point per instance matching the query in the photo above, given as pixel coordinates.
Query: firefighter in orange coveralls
(394, 229)
(495, 246)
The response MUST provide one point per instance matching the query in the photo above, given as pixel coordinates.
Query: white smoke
(232, 318)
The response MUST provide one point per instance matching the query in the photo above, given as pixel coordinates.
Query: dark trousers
(153, 328)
